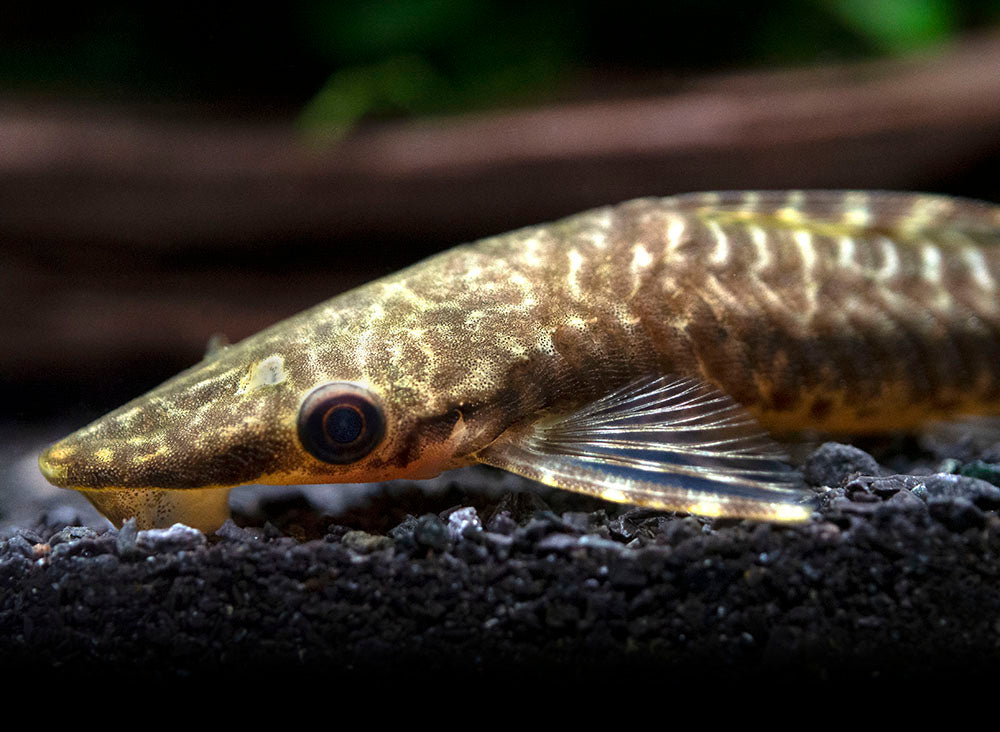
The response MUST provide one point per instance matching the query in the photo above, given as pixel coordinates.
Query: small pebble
(431, 532)
(18, 545)
(230, 531)
(558, 543)
(501, 523)
(833, 462)
(71, 533)
(462, 519)
(362, 541)
(958, 514)
(982, 493)
(597, 542)
(175, 539)
(125, 543)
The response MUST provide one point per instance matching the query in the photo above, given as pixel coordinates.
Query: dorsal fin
(672, 444)
(217, 343)
(903, 216)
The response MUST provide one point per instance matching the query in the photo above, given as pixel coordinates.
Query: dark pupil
(344, 424)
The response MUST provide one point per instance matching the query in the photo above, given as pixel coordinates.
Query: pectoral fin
(671, 444)
(201, 508)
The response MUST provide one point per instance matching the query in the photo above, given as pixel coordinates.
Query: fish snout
(163, 459)
(76, 463)
(54, 465)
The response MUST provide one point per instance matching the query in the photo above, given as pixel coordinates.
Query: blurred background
(173, 170)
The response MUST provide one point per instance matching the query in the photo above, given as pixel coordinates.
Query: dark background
(173, 170)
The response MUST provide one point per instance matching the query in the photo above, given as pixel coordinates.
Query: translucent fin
(217, 343)
(677, 445)
(201, 508)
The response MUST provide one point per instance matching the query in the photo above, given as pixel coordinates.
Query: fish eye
(340, 423)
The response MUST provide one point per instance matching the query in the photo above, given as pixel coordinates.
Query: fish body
(650, 353)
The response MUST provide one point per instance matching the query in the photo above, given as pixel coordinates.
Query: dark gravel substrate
(896, 576)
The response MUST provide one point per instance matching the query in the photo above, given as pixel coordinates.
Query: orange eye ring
(340, 423)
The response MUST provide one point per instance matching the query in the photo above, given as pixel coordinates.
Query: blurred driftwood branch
(92, 174)
(129, 237)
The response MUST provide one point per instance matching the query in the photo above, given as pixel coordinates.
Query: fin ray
(674, 444)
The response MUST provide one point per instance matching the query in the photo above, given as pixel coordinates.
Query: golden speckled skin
(846, 312)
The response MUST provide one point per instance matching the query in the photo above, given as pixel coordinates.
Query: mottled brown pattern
(825, 311)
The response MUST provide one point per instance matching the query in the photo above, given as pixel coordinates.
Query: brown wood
(131, 231)
(84, 174)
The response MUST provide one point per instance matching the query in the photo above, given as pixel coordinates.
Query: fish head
(223, 422)
(337, 394)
